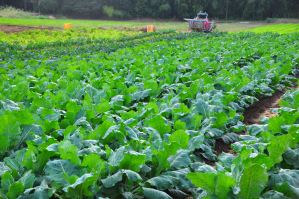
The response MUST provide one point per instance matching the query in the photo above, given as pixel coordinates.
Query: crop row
(268, 158)
(37, 36)
(280, 28)
(77, 42)
(80, 42)
(141, 120)
(87, 47)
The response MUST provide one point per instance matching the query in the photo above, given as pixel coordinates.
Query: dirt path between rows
(12, 28)
(257, 110)
(252, 115)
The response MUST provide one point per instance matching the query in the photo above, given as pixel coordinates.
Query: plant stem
(136, 190)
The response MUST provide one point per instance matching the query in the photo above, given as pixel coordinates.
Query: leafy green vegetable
(253, 181)
(204, 180)
(139, 116)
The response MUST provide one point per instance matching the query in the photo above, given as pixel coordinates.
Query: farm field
(279, 28)
(38, 36)
(121, 25)
(134, 25)
(61, 22)
(128, 115)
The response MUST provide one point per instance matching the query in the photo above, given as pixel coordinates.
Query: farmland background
(164, 9)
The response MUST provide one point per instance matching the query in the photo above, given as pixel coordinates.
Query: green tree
(164, 10)
(141, 8)
(223, 9)
(78, 8)
(49, 6)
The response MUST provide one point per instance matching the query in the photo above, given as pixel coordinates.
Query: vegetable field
(139, 117)
(38, 36)
(60, 23)
(280, 28)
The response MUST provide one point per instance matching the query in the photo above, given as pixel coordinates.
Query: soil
(12, 28)
(220, 147)
(257, 110)
(252, 115)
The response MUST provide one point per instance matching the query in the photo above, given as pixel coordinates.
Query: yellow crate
(67, 26)
(150, 28)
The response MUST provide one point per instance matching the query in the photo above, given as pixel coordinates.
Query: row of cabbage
(268, 159)
(76, 46)
(37, 35)
(78, 41)
(140, 121)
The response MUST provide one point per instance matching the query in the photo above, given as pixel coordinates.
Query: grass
(237, 27)
(280, 28)
(11, 12)
(59, 23)
(285, 21)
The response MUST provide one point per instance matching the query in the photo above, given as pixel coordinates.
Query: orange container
(150, 28)
(67, 26)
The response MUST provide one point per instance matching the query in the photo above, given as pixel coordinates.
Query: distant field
(132, 25)
(35, 36)
(237, 27)
(280, 28)
(89, 23)
(59, 23)
(13, 16)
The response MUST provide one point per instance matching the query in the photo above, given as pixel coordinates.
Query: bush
(60, 16)
(2, 33)
(118, 13)
(271, 20)
(48, 6)
(164, 10)
(46, 32)
(108, 11)
(11, 12)
(43, 17)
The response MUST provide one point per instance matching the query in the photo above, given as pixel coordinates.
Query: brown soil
(220, 147)
(252, 115)
(12, 28)
(257, 110)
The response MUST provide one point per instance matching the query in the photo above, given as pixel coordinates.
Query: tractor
(201, 23)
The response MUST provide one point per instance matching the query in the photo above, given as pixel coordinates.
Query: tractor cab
(201, 23)
(202, 16)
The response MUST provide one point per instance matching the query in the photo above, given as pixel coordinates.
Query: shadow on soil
(252, 116)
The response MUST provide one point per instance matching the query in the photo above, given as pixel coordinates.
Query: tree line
(162, 9)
